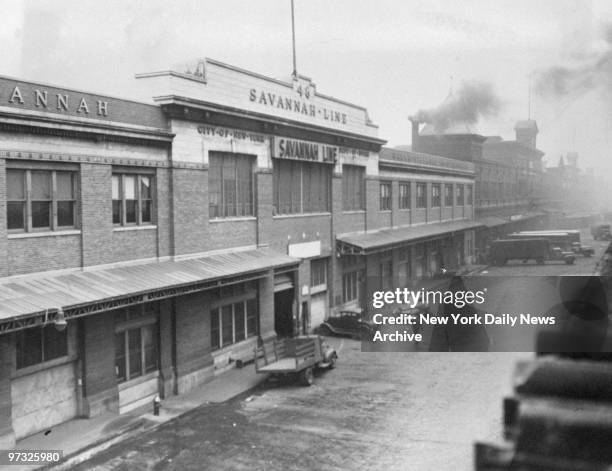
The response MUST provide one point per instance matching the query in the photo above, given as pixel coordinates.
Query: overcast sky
(393, 57)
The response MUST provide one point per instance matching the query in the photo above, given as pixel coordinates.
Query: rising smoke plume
(468, 104)
(591, 72)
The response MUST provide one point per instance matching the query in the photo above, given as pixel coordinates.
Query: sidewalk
(80, 439)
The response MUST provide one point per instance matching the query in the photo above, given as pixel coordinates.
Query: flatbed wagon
(297, 356)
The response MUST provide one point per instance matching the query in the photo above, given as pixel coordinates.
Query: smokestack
(415, 133)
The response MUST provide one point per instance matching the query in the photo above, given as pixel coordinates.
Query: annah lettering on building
(57, 102)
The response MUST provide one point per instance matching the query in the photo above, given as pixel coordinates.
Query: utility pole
(293, 38)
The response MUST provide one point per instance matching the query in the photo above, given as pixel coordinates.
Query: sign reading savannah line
(273, 100)
(303, 150)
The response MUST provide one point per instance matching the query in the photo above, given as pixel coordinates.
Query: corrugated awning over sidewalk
(27, 301)
(493, 221)
(364, 244)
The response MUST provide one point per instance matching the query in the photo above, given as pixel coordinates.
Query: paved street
(374, 411)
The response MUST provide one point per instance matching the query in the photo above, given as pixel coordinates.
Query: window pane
(214, 185)
(251, 307)
(227, 325)
(29, 347)
(145, 188)
(65, 185)
(145, 208)
(41, 185)
(129, 187)
(229, 185)
(15, 215)
(214, 329)
(150, 347)
(120, 356)
(135, 353)
(15, 184)
(41, 214)
(130, 211)
(116, 211)
(115, 185)
(65, 213)
(55, 343)
(239, 320)
(129, 194)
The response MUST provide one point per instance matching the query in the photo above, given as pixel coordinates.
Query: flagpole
(293, 37)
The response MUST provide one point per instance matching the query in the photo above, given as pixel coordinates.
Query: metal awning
(26, 301)
(364, 244)
(493, 221)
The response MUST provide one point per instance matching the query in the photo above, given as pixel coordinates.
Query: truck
(525, 249)
(296, 357)
(601, 232)
(566, 240)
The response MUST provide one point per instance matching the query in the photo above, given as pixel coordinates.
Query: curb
(139, 426)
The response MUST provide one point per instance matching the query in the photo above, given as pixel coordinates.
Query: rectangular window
(232, 323)
(448, 195)
(353, 188)
(318, 272)
(421, 195)
(230, 185)
(386, 275)
(40, 200)
(301, 187)
(420, 262)
(435, 196)
(136, 341)
(460, 195)
(40, 344)
(403, 268)
(132, 196)
(470, 195)
(350, 286)
(385, 196)
(404, 196)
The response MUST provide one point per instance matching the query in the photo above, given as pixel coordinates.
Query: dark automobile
(347, 323)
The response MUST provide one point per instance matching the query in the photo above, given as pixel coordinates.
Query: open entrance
(283, 305)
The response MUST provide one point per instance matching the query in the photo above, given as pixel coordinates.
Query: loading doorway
(283, 313)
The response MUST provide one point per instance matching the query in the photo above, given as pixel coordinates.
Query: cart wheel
(307, 377)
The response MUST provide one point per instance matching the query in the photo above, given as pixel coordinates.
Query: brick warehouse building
(146, 247)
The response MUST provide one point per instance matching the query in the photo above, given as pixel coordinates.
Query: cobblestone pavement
(375, 411)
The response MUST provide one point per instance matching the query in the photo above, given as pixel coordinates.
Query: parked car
(347, 323)
(601, 232)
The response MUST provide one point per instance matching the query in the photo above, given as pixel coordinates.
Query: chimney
(415, 133)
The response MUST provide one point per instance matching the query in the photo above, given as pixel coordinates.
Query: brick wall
(372, 203)
(164, 215)
(51, 252)
(193, 354)
(166, 345)
(3, 241)
(100, 381)
(96, 214)
(7, 353)
(266, 306)
(133, 244)
(223, 234)
(189, 203)
(263, 185)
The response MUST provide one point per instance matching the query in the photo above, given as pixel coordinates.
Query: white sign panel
(305, 249)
